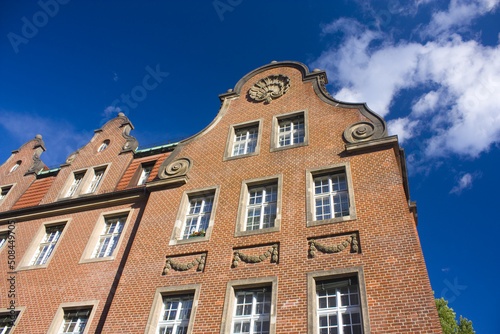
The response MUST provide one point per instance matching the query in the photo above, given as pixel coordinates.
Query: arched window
(103, 146)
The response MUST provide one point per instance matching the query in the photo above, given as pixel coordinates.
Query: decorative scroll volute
(269, 88)
(177, 168)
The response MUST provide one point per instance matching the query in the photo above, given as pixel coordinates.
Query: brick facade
(385, 257)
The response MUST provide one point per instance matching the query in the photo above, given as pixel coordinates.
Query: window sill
(189, 240)
(97, 259)
(246, 155)
(245, 233)
(281, 148)
(311, 223)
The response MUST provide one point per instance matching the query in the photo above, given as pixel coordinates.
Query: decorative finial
(230, 90)
(316, 70)
(274, 62)
(120, 114)
(38, 137)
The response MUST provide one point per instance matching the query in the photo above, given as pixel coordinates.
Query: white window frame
(16, 166)
(103, 146)
(252, 284)
(111, 234)
(157, 309)
(245, 205)
(90, 254)
(75, 184)
(96, 180)
(326, 172)
(335, 198)
(180, 227)
(47, 244)
(340, 276)
(30, 256)
(276, 132)
(146, 170)
(179, 311)
(3, 240)
(5, 190)
(232, 136)
(89, 182)
(245, 140)
(77, 321)
(7, 312)
(254, 316)
(58, 321)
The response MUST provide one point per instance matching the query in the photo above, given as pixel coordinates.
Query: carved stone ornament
(315, 245)
(360, 131)
(176, 168)
(269, 88)
(199, 263)
(272, 252)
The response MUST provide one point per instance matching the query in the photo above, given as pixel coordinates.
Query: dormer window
(96, 179)
(78, 177)
(145, 172)
(103, 146)
(84, 182)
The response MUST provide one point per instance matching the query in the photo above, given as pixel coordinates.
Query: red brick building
(289, 213)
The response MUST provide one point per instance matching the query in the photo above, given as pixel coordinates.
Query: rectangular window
(3, 193)
(261, 207)
(49, 241)
(173, 310)
(75, 321)
(252, 310)
(3, 240)
(6, 322)
(245, 140)
(175, 314)
(198, 216)
(330, 196)
(110, 236)
(338, 306)
(337, 301)
(145, 172)
(78, 177)
(96, 179)
(250, 306)
(291, 131)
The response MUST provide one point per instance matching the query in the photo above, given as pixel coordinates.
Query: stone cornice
(75, 204)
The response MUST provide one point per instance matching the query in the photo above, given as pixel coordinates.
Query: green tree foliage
(449, 322)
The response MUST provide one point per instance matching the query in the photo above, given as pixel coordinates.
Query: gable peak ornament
(269, 88)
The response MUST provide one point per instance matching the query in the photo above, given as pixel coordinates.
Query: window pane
(331, 196)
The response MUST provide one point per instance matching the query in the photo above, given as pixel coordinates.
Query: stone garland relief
(199, 263)
(351, 240)
(240, 256)
(269, 88)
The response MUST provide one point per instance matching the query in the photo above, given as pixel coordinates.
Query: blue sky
(432, 69)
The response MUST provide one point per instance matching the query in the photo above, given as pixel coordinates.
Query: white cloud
(460, 13)
(459, 111)
(402, 127)
(465, 182)
(60, 137)
(109, 111)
